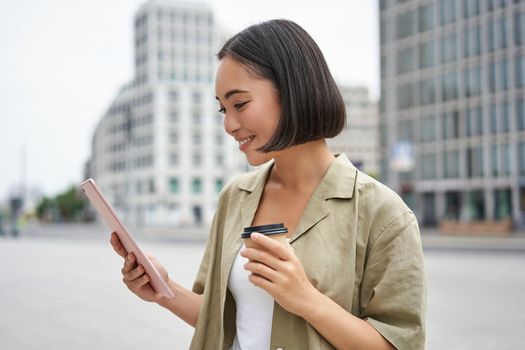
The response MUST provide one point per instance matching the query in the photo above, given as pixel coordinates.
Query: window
(449, 86)
(196, 185)
(448, 11)
(196, 160)
(405, 60)
(174, 116)
(505, 116)
(404, 24)
(196, 97)
(474, 162)
(174, 138)
(472, 45)
(382, 31)
(427, 92)
(474, 121)
(426, 54)
(520, 113)
(219, 184)
(219, 160)
(173, 96)
(151, 186)
(519, 28)
(428, 166)
(174, 159)
(472, 81)
(406, 95)
(451, 125)
(449, 48)
(494, 159)
(174, 185)
(503, 77)
(493, 119)
(196, 117)
(451, 160)
(521, 155)
(219, 139)
(406, 130)
(470, 8)
(520, 70)
(196, 139)
(502, 42)
(492, 76)
(428, 129)
(505, 159)
(491, 29)
(426, 17)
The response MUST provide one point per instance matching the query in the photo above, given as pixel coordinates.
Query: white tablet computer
(109, 216)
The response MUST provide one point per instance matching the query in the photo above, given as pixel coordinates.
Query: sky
(63, 61)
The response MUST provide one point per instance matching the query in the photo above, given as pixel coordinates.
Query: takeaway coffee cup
(275, 231)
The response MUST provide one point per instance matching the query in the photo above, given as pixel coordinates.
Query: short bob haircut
(311, 105)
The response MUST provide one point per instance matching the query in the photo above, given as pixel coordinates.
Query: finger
(129, 263)
(134, 274)
(263, 283)
(117, 245)
(262, 270)
(138, 283)
(261, 256)
(279, 249)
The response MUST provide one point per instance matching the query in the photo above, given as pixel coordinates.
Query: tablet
(99, 201)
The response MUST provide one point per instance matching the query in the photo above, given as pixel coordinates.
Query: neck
(301, 167)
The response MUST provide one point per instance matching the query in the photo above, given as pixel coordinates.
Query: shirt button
(279, 349)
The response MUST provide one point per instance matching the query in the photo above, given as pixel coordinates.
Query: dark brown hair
(311, 104)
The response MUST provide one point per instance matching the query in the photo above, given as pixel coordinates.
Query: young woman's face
(251, 108)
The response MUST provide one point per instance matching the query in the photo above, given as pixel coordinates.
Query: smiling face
(251, 108)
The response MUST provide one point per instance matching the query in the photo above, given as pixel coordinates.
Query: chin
(260, 159)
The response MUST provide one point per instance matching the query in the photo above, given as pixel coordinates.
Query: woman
(351, 276)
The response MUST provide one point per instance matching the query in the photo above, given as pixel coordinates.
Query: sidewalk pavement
(432, 239)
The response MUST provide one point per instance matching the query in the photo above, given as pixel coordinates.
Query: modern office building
(360, 138)
(452, 86)
(160, 152)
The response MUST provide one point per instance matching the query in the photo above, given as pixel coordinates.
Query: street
(65, 292)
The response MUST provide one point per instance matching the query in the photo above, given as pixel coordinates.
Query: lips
(246, 140)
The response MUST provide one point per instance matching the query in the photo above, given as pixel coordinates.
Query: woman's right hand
(134, 276)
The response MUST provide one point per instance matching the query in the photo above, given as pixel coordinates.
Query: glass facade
(457, 91)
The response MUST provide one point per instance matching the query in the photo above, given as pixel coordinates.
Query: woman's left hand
(279, 272)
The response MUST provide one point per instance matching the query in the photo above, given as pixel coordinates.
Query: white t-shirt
(254, 309)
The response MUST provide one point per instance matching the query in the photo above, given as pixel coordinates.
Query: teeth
(242, 142)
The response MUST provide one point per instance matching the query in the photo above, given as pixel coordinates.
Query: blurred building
(160, 152)
(360, 138)
(452, 87)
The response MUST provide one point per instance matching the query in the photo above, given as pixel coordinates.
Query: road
(61, 291)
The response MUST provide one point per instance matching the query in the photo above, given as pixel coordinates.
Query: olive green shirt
(359, 245)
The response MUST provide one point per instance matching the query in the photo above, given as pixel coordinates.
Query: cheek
(263, 121)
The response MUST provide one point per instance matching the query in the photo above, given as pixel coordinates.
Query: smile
(246, 140)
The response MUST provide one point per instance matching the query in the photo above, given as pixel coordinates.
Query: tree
(69, 206)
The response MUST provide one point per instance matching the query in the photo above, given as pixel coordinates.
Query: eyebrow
(231, 93)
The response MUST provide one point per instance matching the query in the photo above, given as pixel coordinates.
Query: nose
(231, 124)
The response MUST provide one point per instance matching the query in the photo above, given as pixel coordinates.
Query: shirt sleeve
(202, 274)
(393, 291)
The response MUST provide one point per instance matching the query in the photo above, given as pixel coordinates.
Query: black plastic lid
(269, 229)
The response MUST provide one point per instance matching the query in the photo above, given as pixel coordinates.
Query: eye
(239, 105)
(222, 110)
